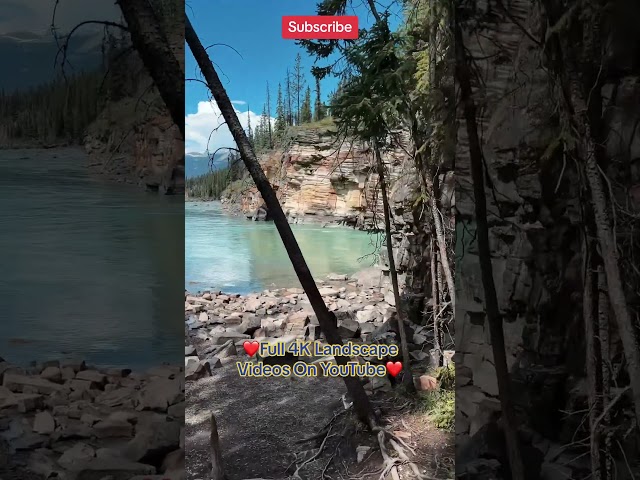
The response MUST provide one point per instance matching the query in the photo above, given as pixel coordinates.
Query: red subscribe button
(320, 28)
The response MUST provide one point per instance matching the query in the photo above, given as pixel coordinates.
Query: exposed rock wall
(536, 234)
(320, 177)
(134, 139)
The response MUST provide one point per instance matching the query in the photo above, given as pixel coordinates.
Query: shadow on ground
(259, 420)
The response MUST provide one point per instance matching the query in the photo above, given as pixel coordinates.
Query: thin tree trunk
(326, 319)
(437, 346)
(589, 306)
(494, 317)
(152, 45)
(439, 273)
(407, 379)
(603, 337)
(439, 229)
(217, 472)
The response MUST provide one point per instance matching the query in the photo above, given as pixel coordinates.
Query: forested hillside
(54, 113)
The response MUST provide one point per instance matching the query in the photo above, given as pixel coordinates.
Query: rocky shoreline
(72, 421)
(217, 324)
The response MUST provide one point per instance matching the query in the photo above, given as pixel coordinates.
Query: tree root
(390, 465)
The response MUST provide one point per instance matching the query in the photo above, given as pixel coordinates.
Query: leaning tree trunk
(407, 379)
(326, 319)
(496, 332)
(152, 45)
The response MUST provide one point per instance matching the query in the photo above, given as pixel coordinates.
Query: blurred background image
(91, 239)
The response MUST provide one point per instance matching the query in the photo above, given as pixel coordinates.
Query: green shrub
(446, 377)
(440, 406)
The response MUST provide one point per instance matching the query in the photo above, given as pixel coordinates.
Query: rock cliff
(134, 139)
(321, 178)
(536, 225)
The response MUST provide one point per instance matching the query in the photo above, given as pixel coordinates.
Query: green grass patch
(440, 406)
(326, 122)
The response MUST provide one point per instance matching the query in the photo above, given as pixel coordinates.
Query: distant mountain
(198, 164)
(31, 57)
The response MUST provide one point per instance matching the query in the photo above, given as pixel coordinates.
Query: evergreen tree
(298, 84)
(318, 111)
(288, 101)
(305, 109)
(270, 131)
(281, 119)
(249, 131)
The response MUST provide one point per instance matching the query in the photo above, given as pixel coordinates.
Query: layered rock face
(536, 235)
(134, 139)
(321, 177)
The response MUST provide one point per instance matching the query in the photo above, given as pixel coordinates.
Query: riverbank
(269, 418)
(74, 421)
(217, 324)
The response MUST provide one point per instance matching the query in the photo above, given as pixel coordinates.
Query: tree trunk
(152, 45)
(326, 319)
(603, 337)
(435, 296)
(429, 186)
(407, 379)
(217, 472)
(463, 75)
(592, 361)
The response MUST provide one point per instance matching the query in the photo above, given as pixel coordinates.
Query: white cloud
(205, 129)
(238, 102)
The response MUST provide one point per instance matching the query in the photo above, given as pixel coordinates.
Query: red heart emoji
(251, 347)
(393, 368)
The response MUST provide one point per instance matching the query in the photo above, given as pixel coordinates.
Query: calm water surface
(240, 256)
(89, 269)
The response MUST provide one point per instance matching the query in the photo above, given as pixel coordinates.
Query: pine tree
(298, 87)
(288, 101)
(305, 109)
(269, 117)
(318, 111)
(249, 131)
(281, 119)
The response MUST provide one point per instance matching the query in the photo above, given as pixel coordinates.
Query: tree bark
(494, 317)
(429, 186)
(592, 356)
(603, 337)
(217, 472)
(407, 379)
(326, 319)
(437, 345)
(152, 45)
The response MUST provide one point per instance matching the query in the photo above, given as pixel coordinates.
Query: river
(236, 255)
(90, 269)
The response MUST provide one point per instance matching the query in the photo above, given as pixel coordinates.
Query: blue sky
(253, 28)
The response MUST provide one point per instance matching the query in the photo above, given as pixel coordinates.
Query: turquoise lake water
(237, 255)
(89, 269)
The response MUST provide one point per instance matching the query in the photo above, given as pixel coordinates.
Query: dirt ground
(261, 422)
